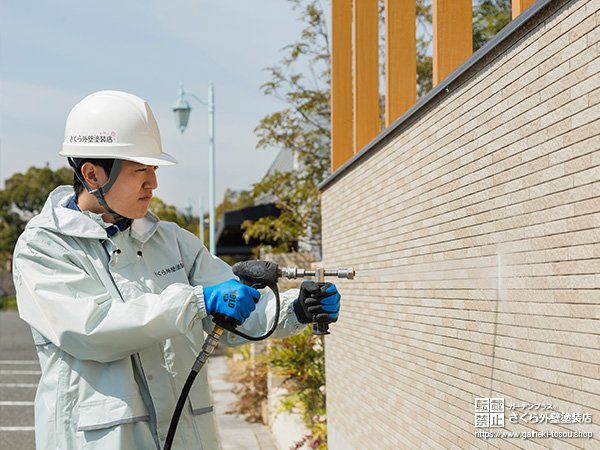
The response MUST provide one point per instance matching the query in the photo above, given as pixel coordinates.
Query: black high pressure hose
(258, 274)
(209, 345)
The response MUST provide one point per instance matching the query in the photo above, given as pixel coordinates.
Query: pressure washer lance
(258, 274)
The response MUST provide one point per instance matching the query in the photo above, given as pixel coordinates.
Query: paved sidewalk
(234, 432)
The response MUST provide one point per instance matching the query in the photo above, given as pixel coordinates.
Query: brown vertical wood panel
(518, 6)
(366, 72)
(341, 83)
(400, 57)
(452, 36)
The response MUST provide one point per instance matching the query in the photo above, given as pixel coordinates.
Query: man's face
(131, 193)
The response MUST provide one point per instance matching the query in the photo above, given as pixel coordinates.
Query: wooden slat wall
(518, 6)
(355, 59)
(342, 146)
(400, 58)
(366, 72)
(452, 36)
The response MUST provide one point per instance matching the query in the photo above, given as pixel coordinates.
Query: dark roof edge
(441, 88)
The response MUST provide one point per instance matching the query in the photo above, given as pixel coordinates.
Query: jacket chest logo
(168, 270)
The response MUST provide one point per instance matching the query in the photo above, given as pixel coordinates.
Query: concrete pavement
(235, 433)
(19, 374)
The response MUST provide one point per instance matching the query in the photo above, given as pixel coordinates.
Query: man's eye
(144, 169)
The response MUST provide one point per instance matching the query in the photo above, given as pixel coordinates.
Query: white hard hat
(114, 125)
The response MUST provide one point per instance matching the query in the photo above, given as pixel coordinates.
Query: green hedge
(300, 361)
(9, 302)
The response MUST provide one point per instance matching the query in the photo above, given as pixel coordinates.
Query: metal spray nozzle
(295, 272)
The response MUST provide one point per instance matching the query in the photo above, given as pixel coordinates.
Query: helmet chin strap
(102, 190)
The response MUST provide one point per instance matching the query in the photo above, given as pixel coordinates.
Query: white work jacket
(116, 326)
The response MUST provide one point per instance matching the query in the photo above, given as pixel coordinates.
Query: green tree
(302, 127)
(233, 200)
(169, 213)
(301, 81)
(11, 226)
(297, 197)
(27, 192)
(23, 197)
(424, 37)
(489, 17)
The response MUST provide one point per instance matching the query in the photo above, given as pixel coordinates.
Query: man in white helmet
(119, 301)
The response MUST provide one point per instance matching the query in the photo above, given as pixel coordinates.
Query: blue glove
(230, 301)
(317, 302)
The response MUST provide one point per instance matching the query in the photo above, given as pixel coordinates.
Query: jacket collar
(58, 217)
(119, 226)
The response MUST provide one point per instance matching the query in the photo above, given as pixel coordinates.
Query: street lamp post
(201, 205)
(182, 111)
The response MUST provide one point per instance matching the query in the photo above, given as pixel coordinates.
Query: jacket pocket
(110, 412)
(199, 397)
(199, 404)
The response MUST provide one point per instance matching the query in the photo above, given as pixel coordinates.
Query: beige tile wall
(475, 233)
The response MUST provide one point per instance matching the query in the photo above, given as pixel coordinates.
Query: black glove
(317, 302)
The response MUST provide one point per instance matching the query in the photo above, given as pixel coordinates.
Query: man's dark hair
(106, 164)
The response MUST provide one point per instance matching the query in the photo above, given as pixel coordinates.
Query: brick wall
(475, 233)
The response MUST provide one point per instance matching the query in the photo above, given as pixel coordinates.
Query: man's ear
(93, 175)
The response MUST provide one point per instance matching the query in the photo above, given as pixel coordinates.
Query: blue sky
(55, 52)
